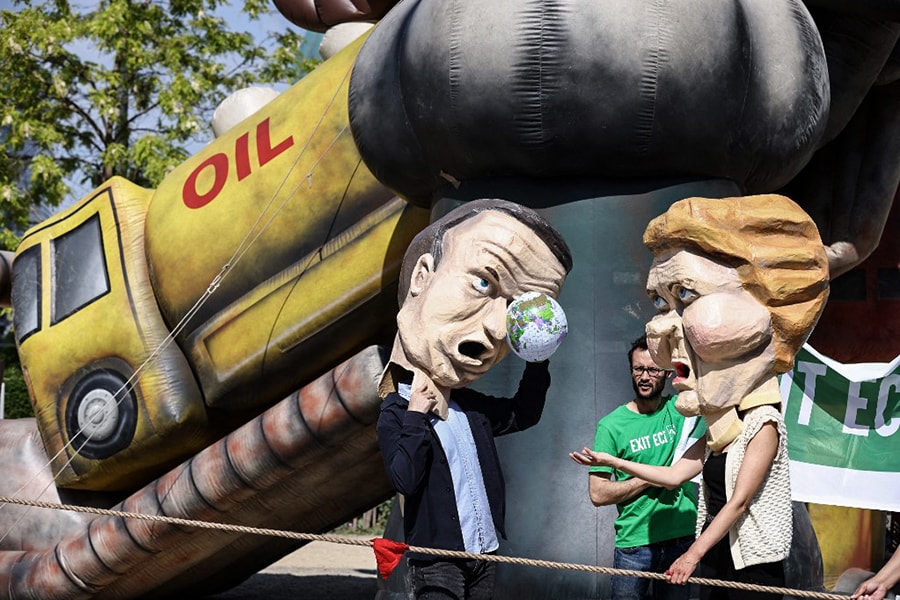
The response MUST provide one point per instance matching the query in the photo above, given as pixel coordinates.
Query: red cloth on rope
(387, 555)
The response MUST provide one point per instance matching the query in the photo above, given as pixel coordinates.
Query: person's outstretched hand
(589, 458)
(871, 589)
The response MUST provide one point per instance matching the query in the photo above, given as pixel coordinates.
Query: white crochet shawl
(763, 534)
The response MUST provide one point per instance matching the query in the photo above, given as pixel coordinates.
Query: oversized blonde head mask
(746, 250)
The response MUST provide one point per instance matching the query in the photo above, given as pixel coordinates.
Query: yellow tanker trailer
(150, 322)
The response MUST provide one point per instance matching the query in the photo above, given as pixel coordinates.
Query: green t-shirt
(656, 514)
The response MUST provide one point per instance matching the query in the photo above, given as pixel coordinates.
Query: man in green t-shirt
(655, 525)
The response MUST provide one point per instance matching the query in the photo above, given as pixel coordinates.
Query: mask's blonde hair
(773, 244)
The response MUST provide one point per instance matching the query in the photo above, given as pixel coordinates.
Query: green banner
(842, 423)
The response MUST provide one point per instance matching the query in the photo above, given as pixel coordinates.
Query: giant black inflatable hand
(709, 89)
(776, 96)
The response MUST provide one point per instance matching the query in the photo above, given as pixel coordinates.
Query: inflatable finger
(319, 15)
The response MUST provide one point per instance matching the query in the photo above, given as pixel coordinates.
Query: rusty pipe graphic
(308, 463)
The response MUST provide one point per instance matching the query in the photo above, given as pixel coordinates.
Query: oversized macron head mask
(457, 279)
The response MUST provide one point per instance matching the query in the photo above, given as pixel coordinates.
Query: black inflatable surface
(445, 92)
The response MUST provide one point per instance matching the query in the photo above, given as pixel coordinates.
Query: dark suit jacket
(417, 465)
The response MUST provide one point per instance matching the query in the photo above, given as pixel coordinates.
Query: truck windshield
(26, 295)
(78, 269)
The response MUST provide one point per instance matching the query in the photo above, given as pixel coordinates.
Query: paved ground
(317, 571)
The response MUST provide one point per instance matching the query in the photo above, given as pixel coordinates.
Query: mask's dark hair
(430, 240)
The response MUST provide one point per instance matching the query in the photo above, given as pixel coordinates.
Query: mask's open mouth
(682, 371)
(471, 349)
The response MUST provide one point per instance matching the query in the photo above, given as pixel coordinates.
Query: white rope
(243, 529)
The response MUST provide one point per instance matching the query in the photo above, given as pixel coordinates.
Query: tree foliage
(17, 402)
(123, 87)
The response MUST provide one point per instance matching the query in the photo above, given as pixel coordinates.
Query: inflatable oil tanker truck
(150, 322)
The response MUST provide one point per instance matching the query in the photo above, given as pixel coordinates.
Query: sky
(273, 20)
(232, 13)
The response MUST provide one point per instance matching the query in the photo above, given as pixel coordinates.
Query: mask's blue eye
(660, 304)
(482, 285)
(687, 295)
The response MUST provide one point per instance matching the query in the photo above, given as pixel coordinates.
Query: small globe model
(535, 326)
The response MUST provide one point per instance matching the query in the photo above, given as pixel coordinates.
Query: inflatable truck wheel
(101, 415)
